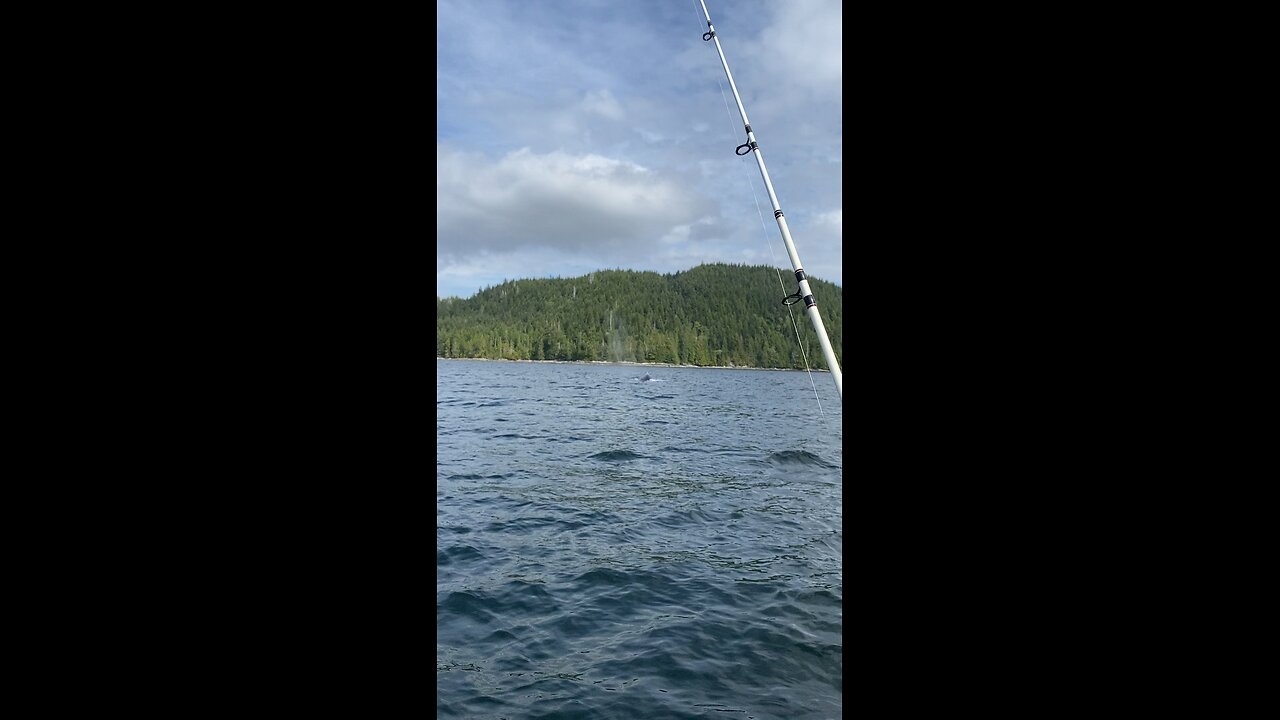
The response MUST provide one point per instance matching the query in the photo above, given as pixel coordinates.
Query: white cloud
(602, 102)
(803, 44)
(833, 219)
(582, 203)
(823, 251)
(790, 74)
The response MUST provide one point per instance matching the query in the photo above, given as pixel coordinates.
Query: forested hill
(711, 315)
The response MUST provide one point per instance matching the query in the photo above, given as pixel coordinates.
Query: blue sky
(581, 135)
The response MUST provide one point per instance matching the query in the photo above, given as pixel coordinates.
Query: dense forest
(726, 315)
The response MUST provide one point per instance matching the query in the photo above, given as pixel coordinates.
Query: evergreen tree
(710, 315)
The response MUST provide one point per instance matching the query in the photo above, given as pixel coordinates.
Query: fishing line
(765, 231)
(783, 287)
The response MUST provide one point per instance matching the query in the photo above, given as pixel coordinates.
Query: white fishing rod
(810, 305)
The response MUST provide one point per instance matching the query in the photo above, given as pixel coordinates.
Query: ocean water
(611, 547)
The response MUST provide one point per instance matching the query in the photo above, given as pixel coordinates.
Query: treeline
(711, 315)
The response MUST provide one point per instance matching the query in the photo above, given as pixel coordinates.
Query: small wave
(602, 577)
(800, 457)
(680, 518)
(819, 598)
(473, 605)
(500, 636)
(457, 553)
(522, 524)
(525, 598)
(616, 456)
(673, 448)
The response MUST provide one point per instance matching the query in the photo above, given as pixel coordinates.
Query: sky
(582, 135)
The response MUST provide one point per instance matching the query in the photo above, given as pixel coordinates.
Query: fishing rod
(810, 305)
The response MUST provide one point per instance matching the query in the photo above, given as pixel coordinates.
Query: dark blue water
(608, 547)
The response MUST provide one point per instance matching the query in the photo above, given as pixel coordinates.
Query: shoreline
(639, 364)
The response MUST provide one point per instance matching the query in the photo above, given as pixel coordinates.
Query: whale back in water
(644, 379)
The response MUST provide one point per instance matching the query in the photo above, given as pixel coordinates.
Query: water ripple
(606, 553)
